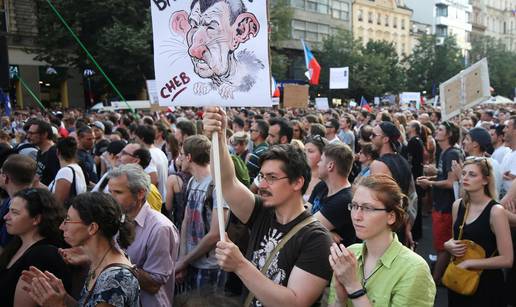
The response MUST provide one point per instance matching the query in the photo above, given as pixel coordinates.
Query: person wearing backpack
(69, 181)
(197, 266)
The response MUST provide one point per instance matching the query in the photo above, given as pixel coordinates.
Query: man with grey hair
(155, 248)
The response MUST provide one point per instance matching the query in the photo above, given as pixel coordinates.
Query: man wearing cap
(443, 196)
(332, 127)
(100, 142)
(476, 144)
(385, 141)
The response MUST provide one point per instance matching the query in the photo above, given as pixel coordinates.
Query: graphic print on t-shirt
(267, 245)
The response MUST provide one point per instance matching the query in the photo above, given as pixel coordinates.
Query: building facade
(497, 19)
(54, 86)
(383, 20)
(447, 18)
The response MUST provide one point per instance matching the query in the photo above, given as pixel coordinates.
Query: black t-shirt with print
(335, 209)
(307, 250)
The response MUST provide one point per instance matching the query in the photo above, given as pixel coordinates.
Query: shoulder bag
(310, 219)
(460, 280)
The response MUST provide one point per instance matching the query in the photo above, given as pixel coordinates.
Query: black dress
(41, 255)
(490, 289)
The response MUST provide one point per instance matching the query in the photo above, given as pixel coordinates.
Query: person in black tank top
(486, 224)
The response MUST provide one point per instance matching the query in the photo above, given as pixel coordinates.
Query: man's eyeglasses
(366, 208)
(67, 220)
(270, 179)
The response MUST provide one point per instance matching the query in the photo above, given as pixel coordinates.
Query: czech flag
(274, 88)
(364, 105)
(314, 69)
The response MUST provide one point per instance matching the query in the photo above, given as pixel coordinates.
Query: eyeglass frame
(270, 181)
(369, 209)
(67, 221)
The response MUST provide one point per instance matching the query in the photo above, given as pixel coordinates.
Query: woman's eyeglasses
(366, 208)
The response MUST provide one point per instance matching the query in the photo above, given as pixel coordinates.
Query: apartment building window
(403, 24)
(340, 10)
(441, 10)
(3, 16)
(360, 15)
(395, 22)
(379, 19)
(468, 37)
(370, 17)
(441, 30)
(318, 6)
(310, 31)
(386, 21)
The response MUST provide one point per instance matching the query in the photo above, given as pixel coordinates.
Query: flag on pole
(364, 105)
(314, 69)
(6, 101)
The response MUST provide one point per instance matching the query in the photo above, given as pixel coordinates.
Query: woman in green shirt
(380, 271)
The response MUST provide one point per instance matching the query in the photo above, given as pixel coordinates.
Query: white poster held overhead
(465, 90)
(410, 97)
(339, 78)
(211, 52)
(151, 91)
(321, 103)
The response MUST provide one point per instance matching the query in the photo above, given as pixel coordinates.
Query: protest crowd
(321, 208)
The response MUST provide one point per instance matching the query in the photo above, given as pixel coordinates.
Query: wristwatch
(357, 294)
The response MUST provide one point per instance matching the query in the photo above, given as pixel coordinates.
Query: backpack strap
(308, 220)
(73, 188)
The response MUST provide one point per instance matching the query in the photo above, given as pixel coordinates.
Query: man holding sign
(298, 273)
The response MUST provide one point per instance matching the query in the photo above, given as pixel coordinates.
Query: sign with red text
(211, 52)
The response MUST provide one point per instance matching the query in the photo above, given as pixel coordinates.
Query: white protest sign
(408, 97)
(151, 91)
(321, 103)
(339, 78)
(376, 101)
(211, 55)
(465, 90)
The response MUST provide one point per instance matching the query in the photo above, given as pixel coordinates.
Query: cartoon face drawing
(213, 31)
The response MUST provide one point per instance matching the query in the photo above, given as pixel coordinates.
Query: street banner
(321, 103)
(465, 90)
(295, 96)
(339, 78)
(211, 52)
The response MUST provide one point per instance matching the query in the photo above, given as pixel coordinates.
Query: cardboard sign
(465, 90)
(295, 96)
(339, 78)
(211, 53)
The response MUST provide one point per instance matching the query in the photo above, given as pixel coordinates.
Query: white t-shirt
(161, 162)
(509, 165)
(500, 153)
(67, 174)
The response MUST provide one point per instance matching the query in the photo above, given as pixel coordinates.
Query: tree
(430, 64)
(501, 63)
(116, 32)
(373, 69)
(280, 14)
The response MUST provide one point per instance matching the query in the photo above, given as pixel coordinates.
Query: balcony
(442, 20)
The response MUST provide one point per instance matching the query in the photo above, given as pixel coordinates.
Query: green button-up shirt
(401, 278)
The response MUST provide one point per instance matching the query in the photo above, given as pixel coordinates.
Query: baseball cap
(98, 124)
(392, 132)
(115, 147)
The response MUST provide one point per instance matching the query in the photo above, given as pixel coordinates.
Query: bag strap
(461, 228)
(308, 220)
(73, 185)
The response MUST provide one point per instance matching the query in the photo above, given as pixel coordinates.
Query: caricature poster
(209, 52)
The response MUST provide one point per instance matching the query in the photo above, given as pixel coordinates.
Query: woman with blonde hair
(380, 271)
(479, 218)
